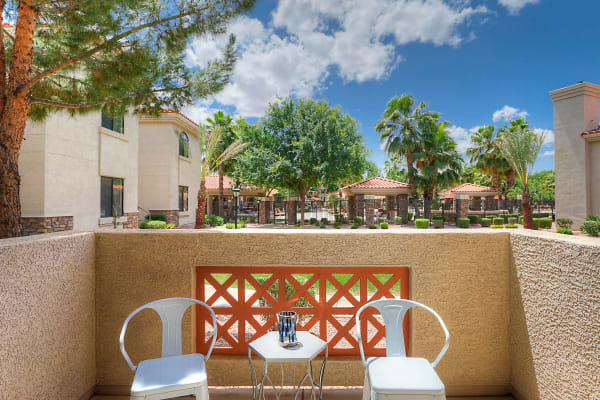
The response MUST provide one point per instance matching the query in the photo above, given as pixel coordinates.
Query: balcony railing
(247, 300)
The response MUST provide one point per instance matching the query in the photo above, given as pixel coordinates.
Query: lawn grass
(303, 278)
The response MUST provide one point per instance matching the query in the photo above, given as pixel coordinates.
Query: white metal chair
(174, 374)
(396, 376)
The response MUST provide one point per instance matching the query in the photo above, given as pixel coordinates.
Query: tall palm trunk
(14, 110)
(221, 211)
(497, 186)
(201, 209)
(302, 193)
(411, 181)
(427, 198)
(526, 205)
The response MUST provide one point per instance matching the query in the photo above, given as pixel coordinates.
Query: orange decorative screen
(247, 300)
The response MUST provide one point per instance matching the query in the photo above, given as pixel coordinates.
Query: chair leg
(202, 393)
(366, 388)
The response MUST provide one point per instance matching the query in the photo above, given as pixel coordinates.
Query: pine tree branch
(105, 44)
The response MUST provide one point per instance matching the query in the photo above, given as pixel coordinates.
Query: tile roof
(169, 111)
(377, 182)
(591, 132)
(469, 188)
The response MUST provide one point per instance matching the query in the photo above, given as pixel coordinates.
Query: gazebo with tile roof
(462, 194)
(364, 192)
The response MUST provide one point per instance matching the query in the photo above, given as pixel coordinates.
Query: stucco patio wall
(462, 275)
(555, 317)
(47, 317)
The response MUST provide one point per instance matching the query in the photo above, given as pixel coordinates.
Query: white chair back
(171, 313)
(393, 312)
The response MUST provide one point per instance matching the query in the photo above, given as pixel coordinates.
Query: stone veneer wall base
(37, 225)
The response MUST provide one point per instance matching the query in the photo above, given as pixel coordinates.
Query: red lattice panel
(244, 315)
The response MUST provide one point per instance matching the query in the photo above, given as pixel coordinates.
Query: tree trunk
(13, 119)
(302, 193)
(526, 205)
(201, 209)
(498, 187)
(427, 204)
(221, 211)
(411, 181)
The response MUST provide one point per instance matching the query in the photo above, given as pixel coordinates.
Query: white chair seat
(403, 376)
(169, 374)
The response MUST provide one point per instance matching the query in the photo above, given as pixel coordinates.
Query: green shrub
(422, 223)
(537, 223)
(297, 224)
(229, 226)
(498, 221)
(547, 222)
(170, 226)
(325, 221)
(438, 223)
(594, 218)
(354, 226)
(514, 215)
(384, 225)
(214, 220)
(322, 226)
(336, 224)
(462, 222)
(437, 216)
(316, 223)
(504, 217)
(242, 223)
(473, 219)
(497, 226)
(564, 231)
(398, 221)
(513, 226)
(512, 220)
(155, 224)
(372, 226)
(358, 220)
(313, 220)
(521, 219)
(380, 220)
(156, 217)
(590, 227)
(485, 222)
(411, 215)
(144, 225)
(565, 223)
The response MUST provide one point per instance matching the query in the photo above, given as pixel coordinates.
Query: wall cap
(579, 89)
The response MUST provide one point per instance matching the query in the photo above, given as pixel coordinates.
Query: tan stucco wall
(71, 154)
(594, 179)
(466, 280)
(47, 316)
(555, 317)
(162, 170)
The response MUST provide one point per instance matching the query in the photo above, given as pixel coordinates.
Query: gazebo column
(370, 210)
(351, 208)
(390, 206)
(263, 210)
(476, 204)
(359, 204)
(403, 207)
(491, 204)
(291, 212)
(462, 206)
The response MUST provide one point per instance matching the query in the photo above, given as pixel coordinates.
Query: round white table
(268, 349)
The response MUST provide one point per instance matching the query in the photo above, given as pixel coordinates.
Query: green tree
(520, 146)
(399, 131)
(372, 169)
(472, 174)
(395, 169)
(210, 158)
(228, 128)
(83, 55)
(438, 162)
(301, 143)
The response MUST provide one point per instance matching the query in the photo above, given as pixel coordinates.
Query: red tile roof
(377, 182)
(591, 132)
(169, 111)
(469, 188)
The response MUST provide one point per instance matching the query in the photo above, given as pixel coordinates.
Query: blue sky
(476, 62)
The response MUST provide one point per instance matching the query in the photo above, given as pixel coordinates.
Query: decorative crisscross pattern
(326, 299)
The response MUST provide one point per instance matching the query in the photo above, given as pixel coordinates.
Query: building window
(116, 124)
(183, 198)
(111, 197)
(184, 145)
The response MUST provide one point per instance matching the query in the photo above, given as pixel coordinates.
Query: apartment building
(77, 172)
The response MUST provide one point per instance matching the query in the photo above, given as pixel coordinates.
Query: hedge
(462, 222)
(473, 219)
(498, 221)
(512, 220)
(485, 222)
(438, 223)
(156, 217)
(153, 225)
(399, 221)
(384, 225)
(422, 223)
(590, 227)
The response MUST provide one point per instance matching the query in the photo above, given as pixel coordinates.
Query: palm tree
(520, 146)
(485, 154)
(211, 158)
(399, 132)
(438, 162)
(225, 122)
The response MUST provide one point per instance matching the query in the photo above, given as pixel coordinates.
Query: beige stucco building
(76, 171)
(169, 172)
(577, 150)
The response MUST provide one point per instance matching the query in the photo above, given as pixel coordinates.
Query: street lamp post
(236, 195)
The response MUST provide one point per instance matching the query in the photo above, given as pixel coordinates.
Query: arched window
(184, 145)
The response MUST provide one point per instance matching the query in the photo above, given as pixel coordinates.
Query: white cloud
(514, 6)
(508, 113)
(309, 40)
(462, 137)
(548, 153)
(549, 139)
